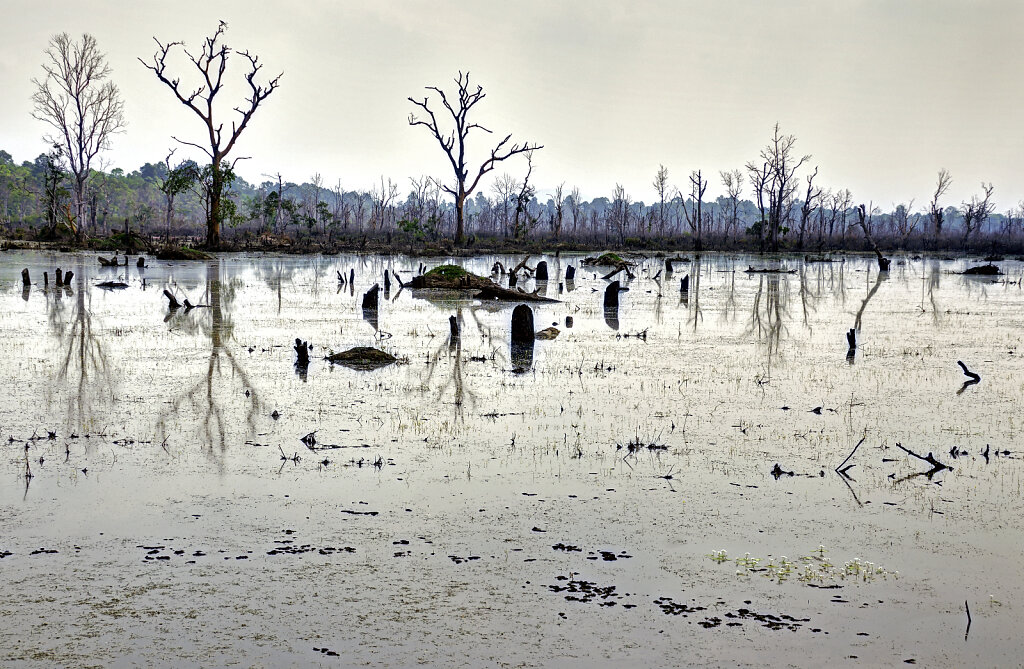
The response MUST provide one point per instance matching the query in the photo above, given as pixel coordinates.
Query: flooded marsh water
(604, 499)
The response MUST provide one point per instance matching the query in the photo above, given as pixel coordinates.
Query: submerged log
(109, 262)
(112, 285)
(495, 292)
(983, 270)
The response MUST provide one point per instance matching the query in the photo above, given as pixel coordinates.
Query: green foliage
(447, 272)
(609, 259)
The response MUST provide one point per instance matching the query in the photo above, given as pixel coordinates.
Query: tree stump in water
(46, 280)
(684, 284)
(58, 276)
(883, 264)
(351, 276)
(141, 264)
(851, 339)
(512, 280)
(371, 298)
(67, 277)
(611, 296)
(387, 282)
(172, 302)
(542, 271)
(25, 281)
(453, 324)
(522, 324)
(302, 352)
(568, 322)
(570, 273)
(668, 266)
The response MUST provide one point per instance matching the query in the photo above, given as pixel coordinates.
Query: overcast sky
(881, 93)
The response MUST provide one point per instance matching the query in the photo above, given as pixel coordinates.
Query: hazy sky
(882, 93)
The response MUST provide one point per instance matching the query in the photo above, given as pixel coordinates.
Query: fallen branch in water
(930, 459)
(974, 377)
(841, 470)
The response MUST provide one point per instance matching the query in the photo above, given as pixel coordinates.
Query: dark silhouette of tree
(453, 143)
(212, 63)
(937, 213)
(977, 211)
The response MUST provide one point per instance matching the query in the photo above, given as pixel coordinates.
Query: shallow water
(438, 521)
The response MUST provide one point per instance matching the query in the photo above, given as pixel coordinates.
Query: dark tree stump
(611, 296)
(68, 275)
(542, 271)
(684, 284)
(172, 302)
(58, 277)
(851, 339)
(453, 325)
(883, 264)
(141, 263)
(570, 273)
(352, 276)
(522, 324)
(46, 280)
(302, 352)
(25, 281)
(371, 298)
(568, 322)
(668, 266)
(387, 282)
(512, 280)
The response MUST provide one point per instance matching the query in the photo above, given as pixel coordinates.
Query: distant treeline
(35, 198)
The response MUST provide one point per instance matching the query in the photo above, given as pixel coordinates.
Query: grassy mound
(362, 357)
(181, 253)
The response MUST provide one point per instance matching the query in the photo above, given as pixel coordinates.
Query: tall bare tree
(733, 182)
(84, 108)
(778, 175)
(977, 211)
(937, 214)
(211, 64)
(811, 201)
(661, 188)
(557, 215)
(694, 213)
(453, 143)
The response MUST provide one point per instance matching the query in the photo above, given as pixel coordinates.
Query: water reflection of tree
(768, 314)
(929, 288)
(209, 396)
(454, 382)
(696, 314)
(83, 370)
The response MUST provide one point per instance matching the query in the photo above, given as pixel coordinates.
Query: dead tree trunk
(371, 298)
(522, 325)
(25, 281)
(542, 271)
(570, 273)
(172, 302)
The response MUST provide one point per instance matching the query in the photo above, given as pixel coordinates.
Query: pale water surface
(468, 507)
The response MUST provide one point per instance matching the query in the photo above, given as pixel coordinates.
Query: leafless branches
(81, 104)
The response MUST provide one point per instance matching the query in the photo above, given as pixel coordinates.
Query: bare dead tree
(937, 213)
(84, 108)
(733, 182)
(694, 213)
(865, 216)
(812, 198)
(977, 211)
(903, 221)
(760, 175)
(778, 173)
(575, 208)
(523, 221)
(661, 188)
(211, 64)
(557, 216)
(453, 143)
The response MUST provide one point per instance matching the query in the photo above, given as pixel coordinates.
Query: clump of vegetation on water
(816, 570)
(609, 259)
(450, 272)
(181, 253)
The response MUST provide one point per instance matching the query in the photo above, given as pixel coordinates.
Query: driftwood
(972, 377)
(109, 262)
(930, 459)
(112, 285)
(496, 292)
(841, 469)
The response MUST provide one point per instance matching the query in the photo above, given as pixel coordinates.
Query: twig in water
(842, 470)
(966, 606)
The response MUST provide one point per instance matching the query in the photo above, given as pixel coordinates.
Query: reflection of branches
(768, 313)
(202, 396)
(83, 362)
(867, 298)
(929, 288)
(696, 314)
(808, 298)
